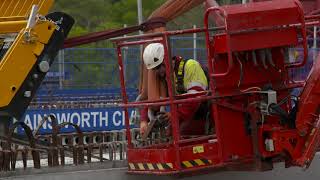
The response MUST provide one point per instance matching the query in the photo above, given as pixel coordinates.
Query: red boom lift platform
(255, 122)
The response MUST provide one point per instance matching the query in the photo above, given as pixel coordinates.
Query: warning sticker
(198, 149)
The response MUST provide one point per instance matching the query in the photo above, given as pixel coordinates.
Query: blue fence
(97, 68)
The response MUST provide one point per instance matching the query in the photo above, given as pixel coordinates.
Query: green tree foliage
(97, 15)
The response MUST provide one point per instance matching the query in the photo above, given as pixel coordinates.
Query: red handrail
(124, 97)
(210, 56)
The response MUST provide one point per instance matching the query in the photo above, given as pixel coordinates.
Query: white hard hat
(153, 55)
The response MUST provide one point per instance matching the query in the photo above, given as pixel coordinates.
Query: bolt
(35, 76)
(27, 94)
(303, 132)
(306, 164)
(13, 88)
(30, 84)
(44, 66)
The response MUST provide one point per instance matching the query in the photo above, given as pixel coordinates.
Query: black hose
(276, 109)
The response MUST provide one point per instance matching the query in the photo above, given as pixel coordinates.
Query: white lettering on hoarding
(27, 120)
(116, 122)
(87, 119)
(72, 119)
(104, 118)
(63, 117)
(95, 114)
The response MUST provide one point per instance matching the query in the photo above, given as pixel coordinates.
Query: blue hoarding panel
(88, 119)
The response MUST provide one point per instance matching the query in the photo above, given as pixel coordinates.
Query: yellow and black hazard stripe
(195, 163)
(151, 166)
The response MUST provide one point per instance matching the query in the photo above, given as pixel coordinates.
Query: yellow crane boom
(29, 42)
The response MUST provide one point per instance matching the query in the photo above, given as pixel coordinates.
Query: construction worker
(189, 77)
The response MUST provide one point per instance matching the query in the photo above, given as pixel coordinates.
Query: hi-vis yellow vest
(193, 75)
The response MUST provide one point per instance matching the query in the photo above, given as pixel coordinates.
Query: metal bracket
(269, 97)
(31, 23)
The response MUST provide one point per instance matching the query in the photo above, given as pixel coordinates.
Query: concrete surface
(116, 171)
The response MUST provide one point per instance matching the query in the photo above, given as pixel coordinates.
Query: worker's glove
(163, 117)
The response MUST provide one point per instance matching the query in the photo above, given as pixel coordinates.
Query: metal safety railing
(91, 68)
(86, 75)
(59, 149)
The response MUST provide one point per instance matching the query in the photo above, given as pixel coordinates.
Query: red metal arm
(308, 122)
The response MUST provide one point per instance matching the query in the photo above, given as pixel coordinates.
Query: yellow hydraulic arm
(29, 42)
(14, 13)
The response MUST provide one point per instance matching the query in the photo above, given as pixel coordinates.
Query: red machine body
(255, 123)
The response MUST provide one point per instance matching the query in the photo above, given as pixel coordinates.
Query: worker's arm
(143, 120)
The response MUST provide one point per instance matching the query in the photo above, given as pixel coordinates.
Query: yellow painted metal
(12, 18)
(187, 164)
(199, 162)
(150, 166)
(195, 163)
(160, 167)
(42, 30)
(20, 58)
(16, 26)
(12, 26)
(131, 165)
(140, 165)
(21, 8)
(38, 49)
(14, 13)
(170, 165)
